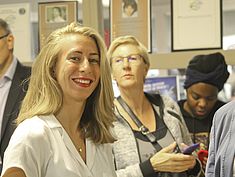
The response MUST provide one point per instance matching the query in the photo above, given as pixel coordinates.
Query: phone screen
(191, 148)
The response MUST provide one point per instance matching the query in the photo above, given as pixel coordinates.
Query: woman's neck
(136, 100)
(142, 108)
(70, 115)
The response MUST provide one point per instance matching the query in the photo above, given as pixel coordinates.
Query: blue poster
(163, 85)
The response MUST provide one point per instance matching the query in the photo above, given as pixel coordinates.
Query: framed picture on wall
(131, 17)
(54, 15)
(15, 15)
(196, 24)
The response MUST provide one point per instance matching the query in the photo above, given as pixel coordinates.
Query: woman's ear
(146, 70)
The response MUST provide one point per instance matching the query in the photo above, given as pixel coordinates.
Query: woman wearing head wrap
(205, 77)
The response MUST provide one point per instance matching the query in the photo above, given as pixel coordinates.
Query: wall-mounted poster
(196, 24)
(168, 85)
(18, 17)
(54, 15)
(131, 17)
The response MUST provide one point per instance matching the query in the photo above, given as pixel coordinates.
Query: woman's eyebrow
(94, 53)
(75, 51)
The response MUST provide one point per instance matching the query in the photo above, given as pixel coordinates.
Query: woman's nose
(126, 63)
(84, 64)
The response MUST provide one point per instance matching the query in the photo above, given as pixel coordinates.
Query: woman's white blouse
(42, 148)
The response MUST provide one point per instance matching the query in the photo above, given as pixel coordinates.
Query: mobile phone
(191, 148)
(201, 154)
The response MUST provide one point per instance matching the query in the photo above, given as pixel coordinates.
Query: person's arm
(197, 168)
(125, 152)
(131, 170)
(211, 154)
(14, 172)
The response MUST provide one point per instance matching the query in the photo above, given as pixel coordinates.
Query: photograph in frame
(15, 15)
(54, 15)
(196, 24)
(131, 17)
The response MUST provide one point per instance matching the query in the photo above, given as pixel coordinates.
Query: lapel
(91, 148)
(90, 152)
(15, 95)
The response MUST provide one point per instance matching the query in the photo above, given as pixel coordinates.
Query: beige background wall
(93, 13)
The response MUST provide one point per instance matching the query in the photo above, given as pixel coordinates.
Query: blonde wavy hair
(44, 95)
(124, 40)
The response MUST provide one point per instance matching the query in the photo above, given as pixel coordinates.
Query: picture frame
(54, 15)
(15, 15)
(136, 22)
(196, 25)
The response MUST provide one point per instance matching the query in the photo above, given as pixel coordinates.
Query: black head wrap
(210, 69)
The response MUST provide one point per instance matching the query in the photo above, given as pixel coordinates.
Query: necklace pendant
(80, 150)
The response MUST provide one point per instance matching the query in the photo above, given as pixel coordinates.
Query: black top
(200, 128)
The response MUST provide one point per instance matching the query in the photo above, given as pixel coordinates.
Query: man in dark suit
(13, 86)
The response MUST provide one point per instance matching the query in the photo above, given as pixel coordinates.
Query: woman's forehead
(78, 40)
(126, 48)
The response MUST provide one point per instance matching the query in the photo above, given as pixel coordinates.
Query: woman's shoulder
(32, 129)
(165, 100)
(156, 98)
(33, 123)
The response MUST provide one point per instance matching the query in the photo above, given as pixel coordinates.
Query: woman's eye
(94, 61)
(118, 60)
(195, 97)
(132, 58)
(75, 58)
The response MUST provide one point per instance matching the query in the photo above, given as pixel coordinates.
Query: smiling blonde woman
(65, 119)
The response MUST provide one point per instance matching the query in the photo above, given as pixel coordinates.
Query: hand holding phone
(190, 149)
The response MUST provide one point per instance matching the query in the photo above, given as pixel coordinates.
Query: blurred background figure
(12, 86)
(147, 124)
(205, 77)
(221, 160)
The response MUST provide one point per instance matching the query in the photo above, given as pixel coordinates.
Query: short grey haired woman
(135, 153)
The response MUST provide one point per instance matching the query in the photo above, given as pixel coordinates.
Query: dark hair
(131, 3)
(59, 10)
(4, 25)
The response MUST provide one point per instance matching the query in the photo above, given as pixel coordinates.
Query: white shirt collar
(11, 70)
